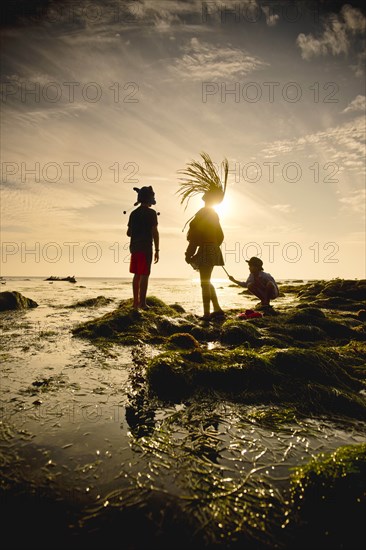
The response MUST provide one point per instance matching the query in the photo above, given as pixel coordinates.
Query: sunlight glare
(224, 209)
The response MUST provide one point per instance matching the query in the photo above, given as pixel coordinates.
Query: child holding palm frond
(205, 234)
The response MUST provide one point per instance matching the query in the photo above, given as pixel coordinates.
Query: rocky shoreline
(307, 359)
(290, 370)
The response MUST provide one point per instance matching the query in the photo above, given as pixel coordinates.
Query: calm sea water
(186, 292)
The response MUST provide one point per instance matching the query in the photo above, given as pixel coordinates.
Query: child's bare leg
(205, 275)
(144, 281)
(265, 295)
(136, 288)
(214, 300)
(271, 292)
(258, 293)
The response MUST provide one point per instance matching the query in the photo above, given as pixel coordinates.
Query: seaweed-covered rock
(174, 375)
(313, 319)
(206, 332)
(129, 326)
(313, 366)
(169, 324)
(169, 377)
(178, 308)
(183, 340)
(306, 380)
(108, 325)
(354, 290)
(337, 302)
(238, 332)
(361, 314)
(335, 329)
(303, 333)
(305, 315)
(336, 294)
(328, 498)
(99, 301)
(10, 300)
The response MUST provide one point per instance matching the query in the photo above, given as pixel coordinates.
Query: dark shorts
(140, 263)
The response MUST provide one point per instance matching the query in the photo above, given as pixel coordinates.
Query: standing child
(205, 232)
(143, 230)
(259, 283)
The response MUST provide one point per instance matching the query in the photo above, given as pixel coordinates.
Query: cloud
(334, 40)
(355, 202)
(343, 145)
(150, 8)
(202, 61)
(284, 208)
(37, 117)
(337, 34)
(359, 67)
(271, 18)
(354, 19)
(358, 104)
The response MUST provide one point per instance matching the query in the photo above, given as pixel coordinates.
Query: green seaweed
(343, 294)
(183, 340)
(303, 358)
(328, 498)
(126, 323)
(273, 416)
(99, 301)
(307, 380)
(236, 332)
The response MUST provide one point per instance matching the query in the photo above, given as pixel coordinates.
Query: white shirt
(260, 280)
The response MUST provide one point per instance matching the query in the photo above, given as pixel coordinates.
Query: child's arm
(129, 232)
(240, 283)
(155, 234)
(191, 249)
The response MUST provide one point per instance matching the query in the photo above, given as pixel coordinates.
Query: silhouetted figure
(259, 283)
(205, 232)
(143, 230)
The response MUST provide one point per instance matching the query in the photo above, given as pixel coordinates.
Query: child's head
(255, 265)
(145, 195)
(215, 196)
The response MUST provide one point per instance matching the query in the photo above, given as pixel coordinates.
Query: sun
(224, 209)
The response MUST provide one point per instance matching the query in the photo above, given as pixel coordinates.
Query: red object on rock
(250, 314)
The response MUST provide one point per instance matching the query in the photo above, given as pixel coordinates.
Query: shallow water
(77, 419)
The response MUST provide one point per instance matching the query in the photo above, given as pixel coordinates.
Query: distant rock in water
(93, 302)
(341, 294)
(68, 279)
(15, 300)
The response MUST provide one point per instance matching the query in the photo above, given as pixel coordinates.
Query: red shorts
(140, 264)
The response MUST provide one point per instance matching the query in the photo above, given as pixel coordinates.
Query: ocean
(186, 292)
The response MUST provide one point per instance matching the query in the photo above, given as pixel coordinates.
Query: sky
(100, 97)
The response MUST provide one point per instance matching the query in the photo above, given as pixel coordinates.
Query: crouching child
(259, 283)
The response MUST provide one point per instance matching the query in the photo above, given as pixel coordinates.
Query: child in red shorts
(142, 230)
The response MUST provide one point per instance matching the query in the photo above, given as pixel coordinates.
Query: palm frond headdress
(203, 178)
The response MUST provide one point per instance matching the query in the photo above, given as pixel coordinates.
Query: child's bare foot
(205, 317)
(217, 314)
(144, 306)
(262, 305)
